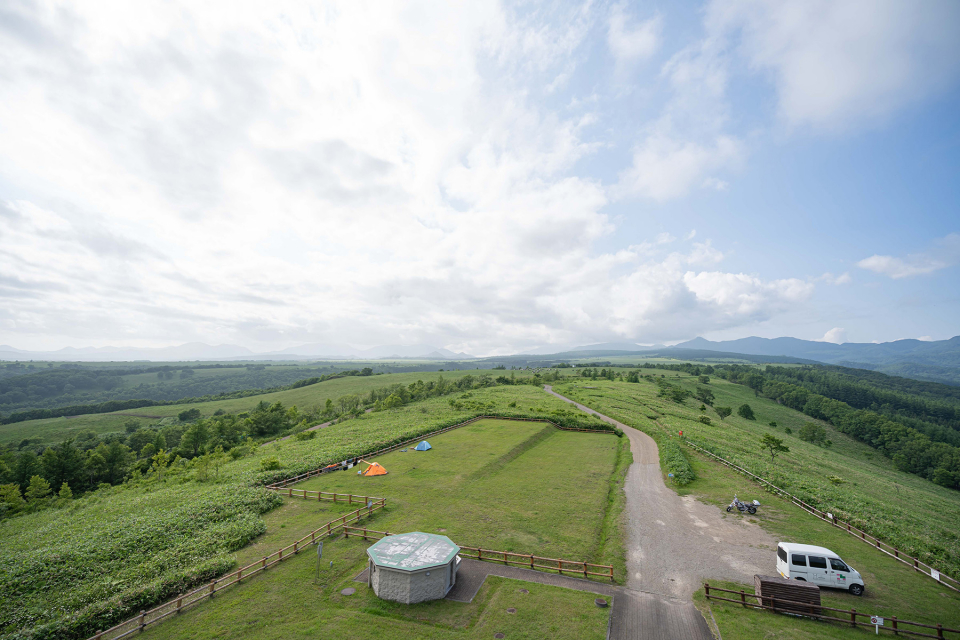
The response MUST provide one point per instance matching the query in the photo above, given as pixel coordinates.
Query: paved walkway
(673, 544)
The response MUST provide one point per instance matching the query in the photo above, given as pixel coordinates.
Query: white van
(820, 566)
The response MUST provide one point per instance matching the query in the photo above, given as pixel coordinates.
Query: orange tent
(375, 469)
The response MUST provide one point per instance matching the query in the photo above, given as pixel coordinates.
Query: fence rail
(879, 545)
(171, 607)
(283, 484)
(851, 615)
(504, 557)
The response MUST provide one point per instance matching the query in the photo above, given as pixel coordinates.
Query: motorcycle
(741, 506)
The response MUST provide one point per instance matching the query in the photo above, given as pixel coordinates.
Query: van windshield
(838, 565)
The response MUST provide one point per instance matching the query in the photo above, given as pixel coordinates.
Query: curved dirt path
(675, 543)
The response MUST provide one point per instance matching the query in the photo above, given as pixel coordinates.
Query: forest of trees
(918, 433)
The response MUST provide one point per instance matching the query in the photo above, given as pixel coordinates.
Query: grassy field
(56, 429)
(119, 550)
(497, 484)
(867, 490)
(892, 587)
(511, 486)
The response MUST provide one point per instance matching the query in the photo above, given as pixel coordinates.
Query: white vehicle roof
(790, 547)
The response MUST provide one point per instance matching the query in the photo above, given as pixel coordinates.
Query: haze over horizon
(486, 178)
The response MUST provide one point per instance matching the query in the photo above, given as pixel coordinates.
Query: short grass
(505, 485)
(525, 487)
(918, 516)
(290, 601)
(53, 430)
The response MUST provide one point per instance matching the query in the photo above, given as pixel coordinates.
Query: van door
(798, 566)
(817, 572)
(840, 573)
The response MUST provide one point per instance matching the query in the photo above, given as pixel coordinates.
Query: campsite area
(504, 485)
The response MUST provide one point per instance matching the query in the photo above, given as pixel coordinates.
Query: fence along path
(155, 615)
(879, 545)
(505, 557)
(770, 603)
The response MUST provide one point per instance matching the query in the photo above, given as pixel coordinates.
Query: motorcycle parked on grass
(742, 507)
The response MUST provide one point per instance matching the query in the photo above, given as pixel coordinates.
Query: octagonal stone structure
(413, 567)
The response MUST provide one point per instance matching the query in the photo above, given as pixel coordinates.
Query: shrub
(306, 435)
(814, 433)
(674, 461)
(270, 464)
(746, 412)
(704, 419)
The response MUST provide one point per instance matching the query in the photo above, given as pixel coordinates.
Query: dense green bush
(674, 461)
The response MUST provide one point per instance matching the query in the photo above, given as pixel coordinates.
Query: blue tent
(424, 446)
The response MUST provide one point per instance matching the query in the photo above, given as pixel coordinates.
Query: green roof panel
(413, 551)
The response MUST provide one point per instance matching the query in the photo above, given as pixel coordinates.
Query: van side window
(817, 562)
(781, 554)
(798, 560)
(838, 565)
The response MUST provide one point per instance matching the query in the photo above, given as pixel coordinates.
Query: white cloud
(829, 278)
(837, 335)
(664, 168)
(366, 173)
(945, 253)
(838, 64)
(631, 43)
(925, 338)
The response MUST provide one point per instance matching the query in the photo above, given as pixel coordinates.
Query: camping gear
(375, 469)
(423, 446)
(742, 506)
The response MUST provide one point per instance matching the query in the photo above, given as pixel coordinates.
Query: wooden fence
(283, 484)
(851, 616)
(577, 567)
(155, 615)
(879, 545)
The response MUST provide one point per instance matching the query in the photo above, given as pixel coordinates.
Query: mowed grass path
(525, 487)
(506, 485)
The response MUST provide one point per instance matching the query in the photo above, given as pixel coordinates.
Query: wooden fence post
(239, 575)
(280, 557)
(706, 589)
(179, 603)
(939, 630)
(213, 587)
(853, 617)
(143, 616)
(264, 562)
(531, 562)
(295, 547)
(290, 492)
(894, 620)
(743, 598)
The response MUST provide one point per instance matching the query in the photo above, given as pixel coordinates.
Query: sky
(482, 176)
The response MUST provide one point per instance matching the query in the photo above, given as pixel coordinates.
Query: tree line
(34, 476)
(911, 449)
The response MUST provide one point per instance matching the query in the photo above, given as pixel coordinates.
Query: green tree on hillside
(65, 492)
(38, 490)
(723, 412)
(746, 412)
(705, 395)
(11, 502)
(815, 434)
(774, 445)
(194, 439)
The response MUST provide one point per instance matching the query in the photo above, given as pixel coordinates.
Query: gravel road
(675, 543)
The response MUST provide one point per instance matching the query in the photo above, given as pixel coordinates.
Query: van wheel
(856, 589)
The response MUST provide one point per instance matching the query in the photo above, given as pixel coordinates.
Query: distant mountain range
(199, 351)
